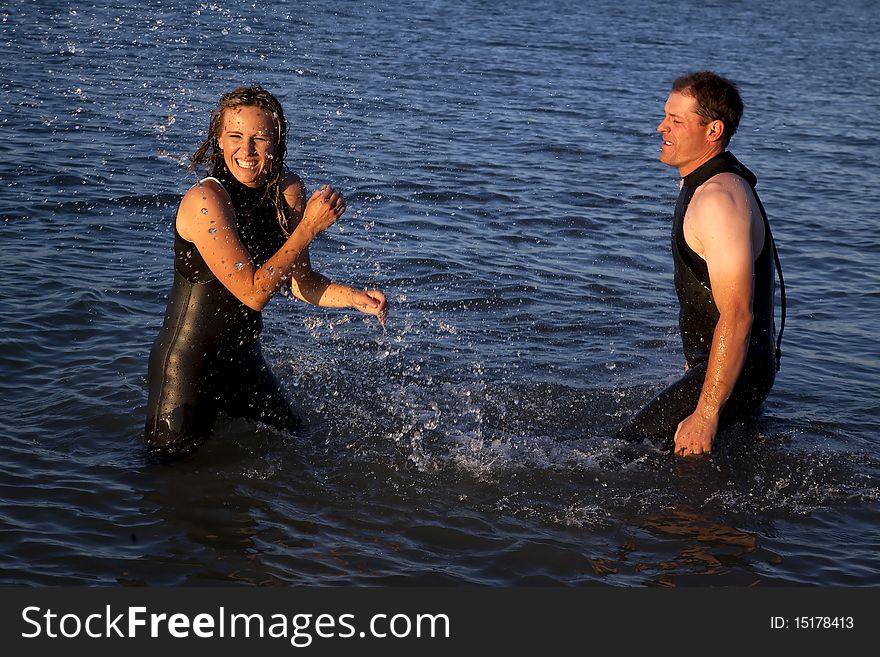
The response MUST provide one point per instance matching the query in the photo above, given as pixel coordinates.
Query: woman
(240, 235)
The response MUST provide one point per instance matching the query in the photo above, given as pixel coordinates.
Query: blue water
(500, 165)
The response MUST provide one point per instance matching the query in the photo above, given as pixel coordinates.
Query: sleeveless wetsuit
(207, 356)
(698, 317)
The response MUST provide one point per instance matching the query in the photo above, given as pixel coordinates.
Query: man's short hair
(717, 99)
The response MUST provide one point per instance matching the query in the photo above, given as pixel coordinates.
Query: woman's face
(247, 140)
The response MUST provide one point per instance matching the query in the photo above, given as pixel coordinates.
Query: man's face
(687, 141)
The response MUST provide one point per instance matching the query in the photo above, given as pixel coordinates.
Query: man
(723, 253)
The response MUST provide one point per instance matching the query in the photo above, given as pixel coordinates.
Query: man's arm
(719, 226)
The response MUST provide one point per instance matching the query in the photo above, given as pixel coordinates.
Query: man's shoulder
(724, 193)
(720, 209)
(726, 182)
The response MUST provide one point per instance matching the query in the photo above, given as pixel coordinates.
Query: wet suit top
(698, 314)
(207, 356)
(257, 224)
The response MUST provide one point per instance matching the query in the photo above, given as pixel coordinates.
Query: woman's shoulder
(294, 190)
(291, 183)
(207, 190)
(208, 186)
(206, 198)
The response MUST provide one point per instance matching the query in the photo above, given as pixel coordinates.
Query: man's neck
(693, 165)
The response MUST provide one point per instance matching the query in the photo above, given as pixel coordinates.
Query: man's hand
(695, 434)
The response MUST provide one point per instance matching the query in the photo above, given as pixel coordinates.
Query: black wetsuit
(698, 317)
(207, 357)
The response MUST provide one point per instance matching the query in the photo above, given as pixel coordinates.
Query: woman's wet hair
(717, 99)
(210, 157)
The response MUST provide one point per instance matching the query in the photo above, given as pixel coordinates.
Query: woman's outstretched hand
(371, 302)
(323, 209)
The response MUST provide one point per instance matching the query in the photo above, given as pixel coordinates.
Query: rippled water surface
(500, 165)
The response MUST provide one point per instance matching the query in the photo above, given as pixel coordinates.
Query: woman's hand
(371, 302)
(323, 209)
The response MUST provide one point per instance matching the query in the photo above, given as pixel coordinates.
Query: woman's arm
(206, 217)
(312, 287)
(318, 290)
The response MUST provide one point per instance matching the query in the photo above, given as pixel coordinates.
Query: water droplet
(204, 210)
(212, 230)
(239, 265)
